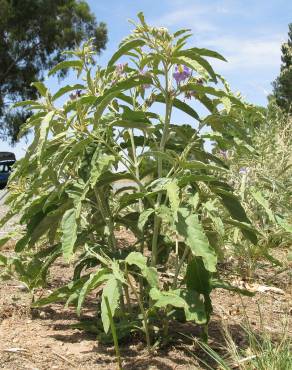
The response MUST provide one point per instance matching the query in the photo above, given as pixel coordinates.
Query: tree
(283, 84)
(33, 35)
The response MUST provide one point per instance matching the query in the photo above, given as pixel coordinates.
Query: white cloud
(248, 53)
(189, 16)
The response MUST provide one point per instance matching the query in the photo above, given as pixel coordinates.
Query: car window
(4, 168)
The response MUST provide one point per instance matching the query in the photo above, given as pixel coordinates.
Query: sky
(248, 33)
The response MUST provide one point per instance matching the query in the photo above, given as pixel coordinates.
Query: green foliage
(33, 35)
(262, 180)
(282, 92)
(173, 195)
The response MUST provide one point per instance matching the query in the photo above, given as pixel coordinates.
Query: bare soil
(44, 338)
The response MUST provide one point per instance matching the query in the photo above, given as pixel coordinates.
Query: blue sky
(248, 33)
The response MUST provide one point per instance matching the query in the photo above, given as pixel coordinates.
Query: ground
(44, 338)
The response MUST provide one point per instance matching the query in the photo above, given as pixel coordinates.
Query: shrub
(111, 158)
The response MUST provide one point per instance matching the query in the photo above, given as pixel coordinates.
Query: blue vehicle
(7, 159)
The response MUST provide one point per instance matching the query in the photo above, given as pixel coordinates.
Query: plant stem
(179, 266)
(107, 218)
(157, 220)
(144, 314)
(114, 334)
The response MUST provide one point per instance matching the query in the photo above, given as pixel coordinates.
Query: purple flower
(181, 73)
(243, 170)
(146, 74)
(224, 154)
(120, 68)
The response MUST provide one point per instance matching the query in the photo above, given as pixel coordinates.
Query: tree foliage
(283, 84)
(33, 35)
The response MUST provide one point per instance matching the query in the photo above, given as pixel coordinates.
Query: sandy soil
(44, 338)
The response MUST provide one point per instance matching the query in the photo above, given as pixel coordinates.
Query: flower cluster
(146, 74)
(181, 73)
(120, 68)
(73, 96)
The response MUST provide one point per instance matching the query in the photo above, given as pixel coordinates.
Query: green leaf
(190, 301)
(284, 224)
(237, 212)
(180, 105)
(100, 163)
(150, 273)
(167, 298)
(217, 283)
(198, 277)
(61, 294)
(195, 307)
(208, 53)
(44, 130)
(69, 233)
(195, 62)
(95, 279)
(124, 49)
(76, 64)
(41, 88)
(137, 258)
(258, 196)
(131, 124)
(112, 291)
(66, 89)
(172, 190)
(189, 226)
(143, 218)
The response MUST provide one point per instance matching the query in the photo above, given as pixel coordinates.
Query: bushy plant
(261, 173)
(113, 157)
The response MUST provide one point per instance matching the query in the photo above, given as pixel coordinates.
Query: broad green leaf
(143, 217)
(172, 191)
(179, 105)
(76, 64)
(189, 226)
(195, 62)
(44, 130)
(131, 124)
(208, 53)
(190, 301)
(198, 277)
(195, 307)
(95, 279)
(33, 104)
(66, 89)
(237, 212)
(150, 273)
(112, 291)
(41, 88)
(197, 165)
(61, 294)
(124, 49)
(258, 196)
(217, 283)
(284, 224)
(69, 233)
(167, 298)
(137, 258)
(100, 163)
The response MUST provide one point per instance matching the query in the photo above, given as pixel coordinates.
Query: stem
(137, 174)
(114, 334)
(157, 220)
(107, 217)
(144, 314)
(179, 266)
